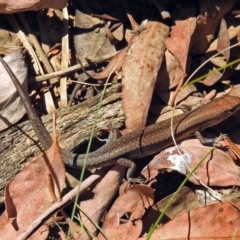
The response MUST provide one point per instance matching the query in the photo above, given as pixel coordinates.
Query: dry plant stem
(215, 55)
(45, 44)
(105, 17)
(92, 84)
(57, 206)
(41, 54)
(233, 146)
(113, 40)
(117, 60)
(69, 70)
(65, 58)
(175, 94)
(47, 94)
(27, 45)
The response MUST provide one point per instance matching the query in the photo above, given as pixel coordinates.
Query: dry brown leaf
(31, 192)
(210, 15)
(11, 107)
(185, 97)
(115, 64)
(133, 202)
(103, 194)
(169, 73)
(216, 221)
(140, 69)
(223, 43)
(186, 200)
(178, 43)
(233, 142)
(232, 33)
(90, 44)
(13, 6)
(217, 169)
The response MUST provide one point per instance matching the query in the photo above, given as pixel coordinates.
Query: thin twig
(26, 44)
(92, 84)
(41, 54)
(65, 58)
(69, 70)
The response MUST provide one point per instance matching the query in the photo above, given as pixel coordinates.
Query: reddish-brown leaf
(140, 69)
(133, 203)
(223, 43)
(210, 14)
(32, 191)
(169, 74)
(180, 48)
(216, 221)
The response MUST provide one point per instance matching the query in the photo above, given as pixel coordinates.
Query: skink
(145, 141)
(156, 137)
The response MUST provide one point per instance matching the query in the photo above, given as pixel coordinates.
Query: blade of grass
(172, 132)
(92, 221)
(215, 55)
(89, 144)
(212, 72)
(177, 191)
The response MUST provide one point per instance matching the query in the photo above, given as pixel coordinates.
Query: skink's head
(226, 106)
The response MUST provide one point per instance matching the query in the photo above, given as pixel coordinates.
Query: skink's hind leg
(131, 170)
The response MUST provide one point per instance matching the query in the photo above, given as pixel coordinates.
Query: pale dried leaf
(12, 6)
(11, 107)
